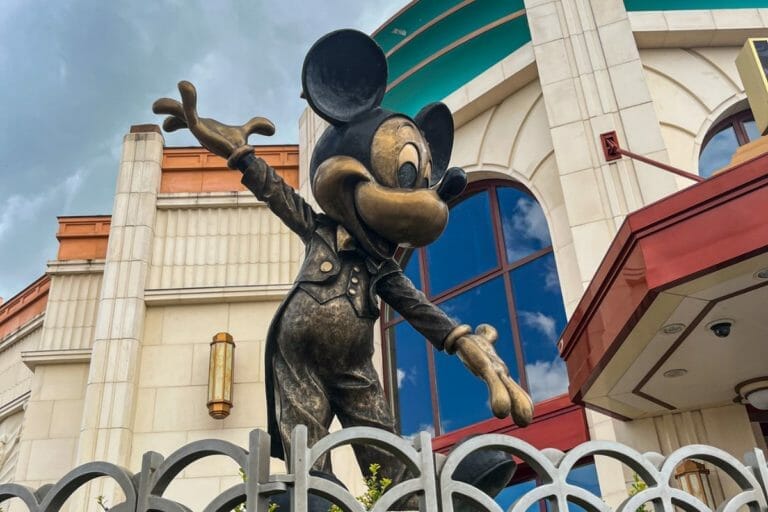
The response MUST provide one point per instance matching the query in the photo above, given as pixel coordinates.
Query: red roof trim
(674, 240)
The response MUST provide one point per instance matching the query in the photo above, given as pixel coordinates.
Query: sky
(75, 75)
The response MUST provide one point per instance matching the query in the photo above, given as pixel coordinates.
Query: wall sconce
(693, 478)
(220, 375)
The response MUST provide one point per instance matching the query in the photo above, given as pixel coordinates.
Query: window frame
(503, 269)
(736, 120)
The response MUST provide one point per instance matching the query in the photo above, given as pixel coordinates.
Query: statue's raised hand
(219, 138)
(478, 355)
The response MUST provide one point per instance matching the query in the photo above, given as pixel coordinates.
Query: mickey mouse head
(380, 174)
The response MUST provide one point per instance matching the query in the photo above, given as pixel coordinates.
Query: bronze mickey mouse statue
(381, 179)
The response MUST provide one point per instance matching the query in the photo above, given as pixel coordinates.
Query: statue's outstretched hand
(221, 139)
(478, 355)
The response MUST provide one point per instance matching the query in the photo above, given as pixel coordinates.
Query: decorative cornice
(17, 404)
(23, 331)
(162, 297)
(25, 305)
(195, 169)
(33, 358)
(59, 267)
(83, 238)
(186, 200)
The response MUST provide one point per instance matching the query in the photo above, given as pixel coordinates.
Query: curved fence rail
(431, 478)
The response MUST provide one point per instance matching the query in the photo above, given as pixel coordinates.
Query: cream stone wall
(511, 140)
(72, 305)
(43, 373)
(15, 376)
(692, 88)
(236, 243)
(173, 385)
(51, 427)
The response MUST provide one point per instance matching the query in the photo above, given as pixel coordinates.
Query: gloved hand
(219, 138)
(478, 355)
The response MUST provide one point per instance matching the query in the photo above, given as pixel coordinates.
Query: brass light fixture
(693, 478)
(221, 375)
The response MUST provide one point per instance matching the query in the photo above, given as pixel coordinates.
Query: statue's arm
(474, 349)
(281, 198)
(399, 292)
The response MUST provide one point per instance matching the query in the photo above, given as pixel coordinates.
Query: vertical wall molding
(110, 398)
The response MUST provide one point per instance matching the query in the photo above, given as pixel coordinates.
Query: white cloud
(16, 209)
(528, 221)
(539, 321)
(546, 379)
(400, 377)
(67, 102)
(430, 429)
(551, 280)
(531, 220)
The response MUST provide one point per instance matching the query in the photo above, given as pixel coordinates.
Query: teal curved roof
(679, 5)
(435, 46)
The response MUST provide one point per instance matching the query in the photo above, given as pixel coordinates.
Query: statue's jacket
(320, 277)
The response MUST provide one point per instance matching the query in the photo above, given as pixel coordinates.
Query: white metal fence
(433, 482)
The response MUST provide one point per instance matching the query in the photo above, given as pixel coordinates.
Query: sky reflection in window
(412, 374)
(463, 398)
(523, 222)
(541, 319)
(718, 152)
(466, 247)
(751, 128)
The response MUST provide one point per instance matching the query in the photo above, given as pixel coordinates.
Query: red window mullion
(501, 254)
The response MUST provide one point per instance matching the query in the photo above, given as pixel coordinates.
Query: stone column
(593, 82)
(110, 398)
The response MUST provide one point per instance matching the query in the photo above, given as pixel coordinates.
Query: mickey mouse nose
(452, 184)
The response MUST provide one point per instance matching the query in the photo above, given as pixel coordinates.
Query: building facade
(106, 356)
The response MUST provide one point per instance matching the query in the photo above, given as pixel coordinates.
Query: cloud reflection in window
(523, 222)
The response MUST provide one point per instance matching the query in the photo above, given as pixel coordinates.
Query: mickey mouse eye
(406, 175)
(408, 165)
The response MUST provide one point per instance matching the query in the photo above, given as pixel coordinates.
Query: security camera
(721, 328)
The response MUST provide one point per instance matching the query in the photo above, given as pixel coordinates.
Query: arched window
(493, 264)
(723, 139)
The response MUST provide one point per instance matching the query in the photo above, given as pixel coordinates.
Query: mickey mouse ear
(344, 74)
(436, 123)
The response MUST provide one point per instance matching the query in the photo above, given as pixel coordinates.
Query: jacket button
(352, 291)
(356, 268)
(326, 266)
(355, 280)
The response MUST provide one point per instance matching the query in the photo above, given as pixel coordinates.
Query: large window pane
(463, 398)
(541, 319)
(412, 379)
(466, 248)
(523, 222)
(718, 152)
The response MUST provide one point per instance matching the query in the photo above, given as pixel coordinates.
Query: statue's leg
(358, 400)
(300, 400)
